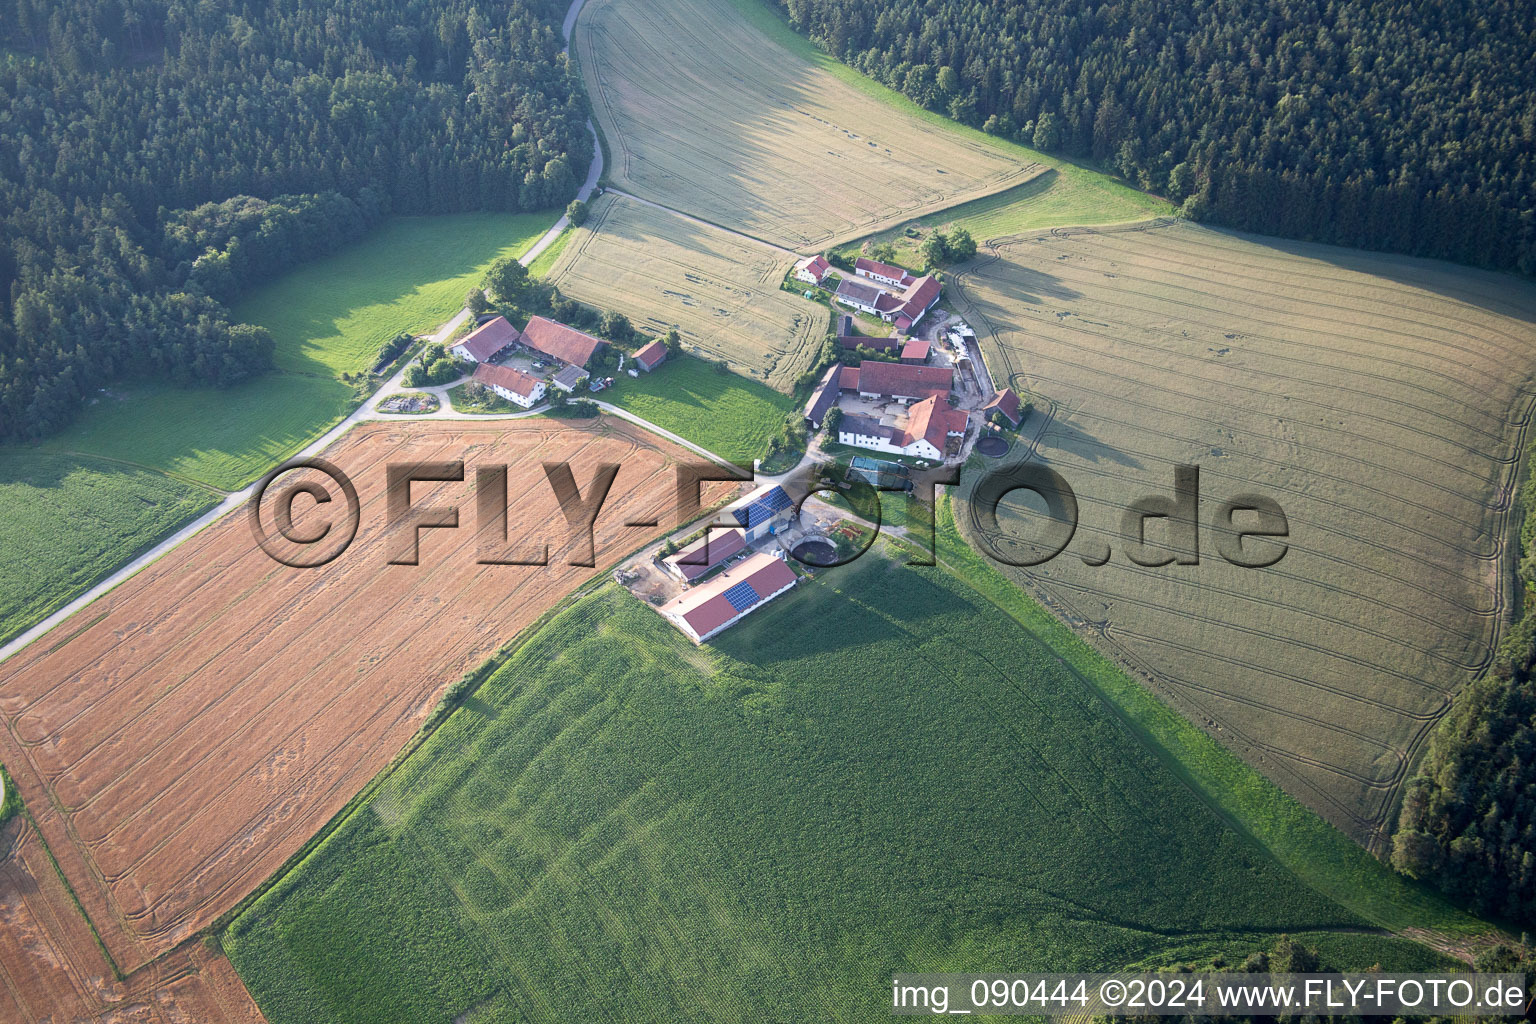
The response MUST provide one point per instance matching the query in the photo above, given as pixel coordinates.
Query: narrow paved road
(366, 412)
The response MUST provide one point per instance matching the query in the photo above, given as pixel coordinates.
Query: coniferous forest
(158, 157)
(1405, 125)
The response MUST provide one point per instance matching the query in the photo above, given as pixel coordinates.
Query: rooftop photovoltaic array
(769, 505)
(742, 596)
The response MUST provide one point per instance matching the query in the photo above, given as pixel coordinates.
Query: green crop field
(622, 826)
(723, 412)
(66, 523)
(328, 318)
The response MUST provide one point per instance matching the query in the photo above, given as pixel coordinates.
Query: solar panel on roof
(742, 596)
(770, 504)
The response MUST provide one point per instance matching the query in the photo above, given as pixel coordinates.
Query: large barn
(557, 341)
(487, 341)
(705, 610)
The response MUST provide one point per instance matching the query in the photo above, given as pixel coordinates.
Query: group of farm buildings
(566, 347)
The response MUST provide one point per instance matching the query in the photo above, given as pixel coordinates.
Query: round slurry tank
(992, 447)
(816, 551)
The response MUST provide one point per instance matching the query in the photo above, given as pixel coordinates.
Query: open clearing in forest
(327, 318)
(706, 113)
(622, 826)
(1382, 402)
(719, 289)
(184, 735)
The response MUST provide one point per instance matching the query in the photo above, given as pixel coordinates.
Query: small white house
(812, 269)
(515, 386)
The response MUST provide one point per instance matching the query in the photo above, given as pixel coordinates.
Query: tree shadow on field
(1064, 437)
(1015, 283)
(1495, 292)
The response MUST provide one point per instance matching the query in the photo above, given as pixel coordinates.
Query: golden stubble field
(719, 289)
(705, 114)
(1382, 402)
(182, 737)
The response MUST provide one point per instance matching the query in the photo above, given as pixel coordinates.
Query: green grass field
(723, 412)
(328, 318)
(1319, 854)
(621, 826)
(66, 523)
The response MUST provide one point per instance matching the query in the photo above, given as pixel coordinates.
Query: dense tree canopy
(134, 135)
(1403, 125)
(1468, 821)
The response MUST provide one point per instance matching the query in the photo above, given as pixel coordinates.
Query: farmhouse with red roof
(929, 426)
(515, 386)
(487, 341)
(1007, 403)
(897, 381)
(556, 340)
(885, 273)
(812, 269)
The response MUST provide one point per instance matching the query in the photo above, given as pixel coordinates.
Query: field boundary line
(455, 696)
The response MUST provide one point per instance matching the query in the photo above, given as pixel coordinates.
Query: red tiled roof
(915, 349)
(566, 344)
(1005, 402)
(515, 381)
(488, 339)
(919, 295)
(869, 266)
(651, 355)
(707, 552)
(848, 379)
(934, 421)
(705, 608)
(904, 380)
(817, 265)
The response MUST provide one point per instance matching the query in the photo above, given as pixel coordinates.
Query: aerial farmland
(718, 289)
(1383, 403)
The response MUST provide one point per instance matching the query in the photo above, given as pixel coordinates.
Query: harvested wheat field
(184, 735)
(719, 289)
(1381, 402)
(706, 113)
(52, 970)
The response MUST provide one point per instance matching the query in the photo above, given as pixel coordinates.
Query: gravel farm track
(1383, 402)
(178, 741)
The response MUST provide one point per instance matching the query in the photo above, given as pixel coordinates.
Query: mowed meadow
(66, 522)
(328, 318)
(706, 113)
(1381, 402)
(877, 772)
(720, 290)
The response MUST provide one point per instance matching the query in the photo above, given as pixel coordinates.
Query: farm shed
(762, 512)
(487, 341)
(652, 356)
(823, 398)
(709, 608)
(569, 378)
(693, 561)
(556, 340)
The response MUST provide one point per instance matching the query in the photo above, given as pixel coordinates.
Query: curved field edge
(1318, 854)
(1095, 197)
(304, 946)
